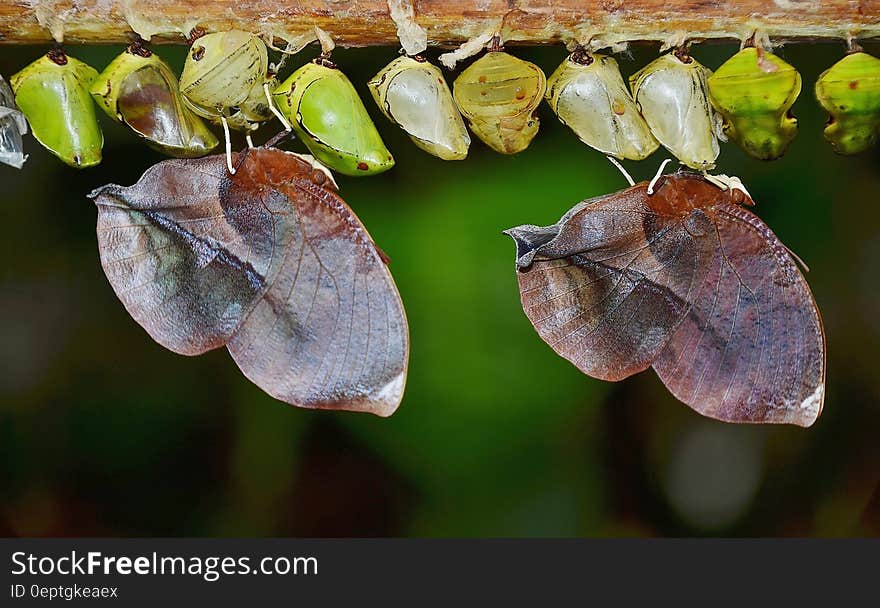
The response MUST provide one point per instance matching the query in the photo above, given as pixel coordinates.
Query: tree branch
(448, 22)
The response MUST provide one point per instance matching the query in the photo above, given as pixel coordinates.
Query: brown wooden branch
(448, 22)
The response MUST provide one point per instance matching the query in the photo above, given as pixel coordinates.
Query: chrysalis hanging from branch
(53, 93)
(326, 113)
(224, 79)
(850, 92)
(672, 94)
(499, 94)
(589, 96)
(139, 90)
(413, 94)
(754, 91)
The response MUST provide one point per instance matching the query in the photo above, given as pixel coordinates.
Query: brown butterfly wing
(608, 284)
(752, 347)
(167, 247)
(330, 330)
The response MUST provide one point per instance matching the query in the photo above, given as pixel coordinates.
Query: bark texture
(448, 22)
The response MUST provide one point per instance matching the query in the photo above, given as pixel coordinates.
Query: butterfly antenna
(275, 110)
(229, 166)
(658, 175)
(620, 168)
(274, 140)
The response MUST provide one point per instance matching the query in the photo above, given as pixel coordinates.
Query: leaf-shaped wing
(606, 286)
(752, 347)
(185, 267)
(330, 330)
(267, 262)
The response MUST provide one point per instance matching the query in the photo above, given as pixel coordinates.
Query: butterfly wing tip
(387, 399)
(811, 407)
(528, 240)
(107, 189)
(384, 410)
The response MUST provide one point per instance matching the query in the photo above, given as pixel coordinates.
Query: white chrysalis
(414, 94)
(589, 96)
(673, 97)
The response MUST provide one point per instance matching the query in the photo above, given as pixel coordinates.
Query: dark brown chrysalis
(685, 280)
(269, 262)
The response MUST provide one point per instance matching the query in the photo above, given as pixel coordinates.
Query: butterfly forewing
(169, 250)
(607, 290)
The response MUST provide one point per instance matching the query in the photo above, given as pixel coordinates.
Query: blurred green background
(103, 432)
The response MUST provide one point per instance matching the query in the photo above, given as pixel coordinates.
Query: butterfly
(269, 262)
(678, 275)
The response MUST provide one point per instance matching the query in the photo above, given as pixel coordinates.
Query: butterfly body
(685, 280)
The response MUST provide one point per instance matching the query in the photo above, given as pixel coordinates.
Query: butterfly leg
(275, 110)
(626, 174)
(658, 175)
(229, 166)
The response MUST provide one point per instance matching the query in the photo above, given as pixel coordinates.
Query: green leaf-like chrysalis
(671, 92)
(413, 94)
(326, 113)
(53, 93)
(12, 126)
(589, 96)
(223, 76)
(753, 91)
(498, 95)
(850, 92)
(140, 90)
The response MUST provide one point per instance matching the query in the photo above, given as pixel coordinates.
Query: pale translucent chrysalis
(589, 96)
(498, 94)
(673, 96)
(413, 93)
(223, 76)
(12, 126)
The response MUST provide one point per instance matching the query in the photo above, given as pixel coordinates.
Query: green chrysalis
(326, 113)
(53, 93)
(498, 94)
(140, 90)
(753, 91)
(413, 94)
(850, 92)
(589, 96)
(223, 76)
(12, 126)
(671, 92)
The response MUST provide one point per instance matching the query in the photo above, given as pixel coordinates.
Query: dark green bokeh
(103, 432)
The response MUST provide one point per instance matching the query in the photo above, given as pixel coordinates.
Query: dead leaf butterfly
(269, 262)
(682, 278)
